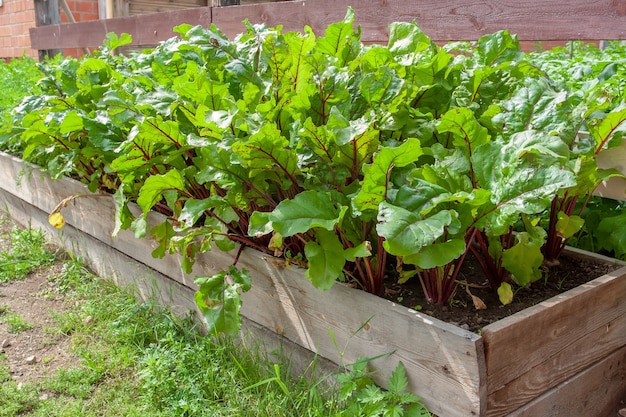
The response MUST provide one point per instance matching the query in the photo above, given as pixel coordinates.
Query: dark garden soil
(572, 272)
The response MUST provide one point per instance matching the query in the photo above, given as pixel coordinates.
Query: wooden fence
(442, 20)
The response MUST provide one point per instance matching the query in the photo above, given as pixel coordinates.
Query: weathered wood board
(537, 20)
(441, 360)
(533, 351)
(147, 29)
(586, 394)
(138, 7)
(443, 20)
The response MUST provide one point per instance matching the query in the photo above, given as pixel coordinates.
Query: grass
(138, 359)
(27, 250)
(15, 323)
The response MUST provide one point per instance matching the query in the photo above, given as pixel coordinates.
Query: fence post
(47, 12)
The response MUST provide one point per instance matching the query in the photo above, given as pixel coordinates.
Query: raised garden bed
(564, 356)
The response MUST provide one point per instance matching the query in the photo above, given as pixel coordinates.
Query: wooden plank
(120, 8)
(442, 361)
(444, 20)
(597, 392)
(102, 9)
(145, 29)
(572, 360)
(536, 349)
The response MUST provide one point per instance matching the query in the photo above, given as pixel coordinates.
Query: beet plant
(361, 163)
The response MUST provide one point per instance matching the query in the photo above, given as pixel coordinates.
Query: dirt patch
(32, 354)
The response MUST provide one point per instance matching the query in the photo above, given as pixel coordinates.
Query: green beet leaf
(154, 187)
(72, 122)
(112, 41)
(468, 134)
(406, 232)
(437, 254)
(609, 131)
(376, 175)
(339, 37)
(407, 41)
(259, 224)
(516, 186)
(325, 259)
(523, 260)
(308, 210)
(505, 293)
(219, 299)
(612, 234)
(568, 226)
(267, 153)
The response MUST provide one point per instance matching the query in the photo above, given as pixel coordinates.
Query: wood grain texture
(442, 361)
(596, 392)
(444, 20)
(533, 351)
(145, 29)
(536, 20)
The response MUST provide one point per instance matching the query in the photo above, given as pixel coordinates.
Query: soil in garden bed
(572, 272)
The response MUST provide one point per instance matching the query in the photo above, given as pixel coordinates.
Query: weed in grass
(26, 251)
(364, 398)
(75, 279)
(14, 401)
(15, 323)
(78, 382)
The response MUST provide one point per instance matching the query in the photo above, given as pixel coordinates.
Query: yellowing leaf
(56, 219)
(505, 293)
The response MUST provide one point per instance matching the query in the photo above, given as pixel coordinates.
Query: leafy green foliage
(18, 78)
(366, 399)
(360, 162)
(602, 230)
(219, 301)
